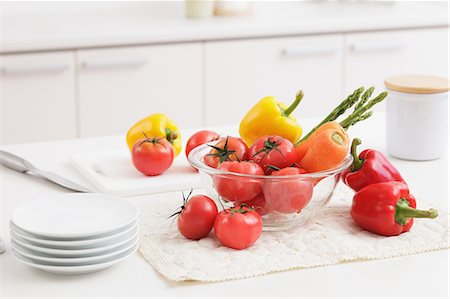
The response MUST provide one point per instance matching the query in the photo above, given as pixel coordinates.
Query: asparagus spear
(361, 118)
(358, 114)
(339, 110)
(365, 96)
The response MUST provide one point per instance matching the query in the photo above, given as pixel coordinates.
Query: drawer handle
(376, 47)
(107, 64)
(38, 69)
(308, 50)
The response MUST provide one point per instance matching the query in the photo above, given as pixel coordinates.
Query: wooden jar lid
(423, 84)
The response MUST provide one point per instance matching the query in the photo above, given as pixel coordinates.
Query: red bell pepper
(387, 209)
(368, 168)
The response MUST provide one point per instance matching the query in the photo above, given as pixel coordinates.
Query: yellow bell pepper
(155, 125)
(271, 117)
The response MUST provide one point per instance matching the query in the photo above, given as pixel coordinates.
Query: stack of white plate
(74, 233)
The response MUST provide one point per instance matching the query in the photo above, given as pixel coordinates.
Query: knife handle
(13, 162)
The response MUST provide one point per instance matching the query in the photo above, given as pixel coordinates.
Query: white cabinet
(56, 95)
(119, 86)
(239, 73)
(37, 97)
(371, 57)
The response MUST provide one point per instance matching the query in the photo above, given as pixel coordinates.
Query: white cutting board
(112, 172)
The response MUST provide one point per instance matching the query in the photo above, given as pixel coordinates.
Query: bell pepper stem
(291, 108)
(403, 211)
(171, 135)
(357, 162)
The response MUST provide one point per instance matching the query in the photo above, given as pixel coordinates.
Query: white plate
(112, 172)
(75, 269)
(74, 215)
(81, 261)
(96, 237)
(82, 244)
(76, 252)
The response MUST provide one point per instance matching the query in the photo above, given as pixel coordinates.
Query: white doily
(330, 238)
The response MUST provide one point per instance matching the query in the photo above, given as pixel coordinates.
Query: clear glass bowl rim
(194, 159)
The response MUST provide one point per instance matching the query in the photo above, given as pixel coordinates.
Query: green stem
(338, 111)
(403, 211)
(357, 162)
(152, 140)
(171, 135)
(273, 167)
(223, 153)
(298, 99)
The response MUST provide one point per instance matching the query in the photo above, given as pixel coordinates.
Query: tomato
(197, 215)
(272, 151)
(229, 149)
(237, 188)
(152, 156)
(238, 228)
(259, 204)
(288, 195)
(199, 138)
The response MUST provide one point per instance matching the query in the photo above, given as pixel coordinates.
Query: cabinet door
(371, 57)
(37, 97)
(239, 73)
(119, 86)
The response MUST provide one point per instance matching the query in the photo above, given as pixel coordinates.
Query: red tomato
(259, 204)
(229, 149)
(152, 156)
(236, 188)
(197, 217)
(274, 151)
(238, 228)
(199, 138)
(288, 195)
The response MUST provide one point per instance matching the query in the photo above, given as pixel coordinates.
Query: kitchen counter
(153, 23)
(422, 275)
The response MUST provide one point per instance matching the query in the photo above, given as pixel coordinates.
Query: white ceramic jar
(417, 116)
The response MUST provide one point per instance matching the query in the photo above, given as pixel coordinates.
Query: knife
(2, 246)
(21, 165)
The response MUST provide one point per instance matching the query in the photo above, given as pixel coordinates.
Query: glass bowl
(284, 202)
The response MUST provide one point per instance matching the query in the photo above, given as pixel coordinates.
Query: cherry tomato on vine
(228, 149)
(237, 188)
(152, 156)
(199, 138)
(272, 150)
(196, 216)
(238, 227)
(288, 195)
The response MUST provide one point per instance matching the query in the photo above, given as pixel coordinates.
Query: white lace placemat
(329, 239)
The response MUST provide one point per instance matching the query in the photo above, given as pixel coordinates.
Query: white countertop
(422, 275)
(164, 22)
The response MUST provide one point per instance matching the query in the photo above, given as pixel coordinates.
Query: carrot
(302, 148)
(327, 144)
(325, 149)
